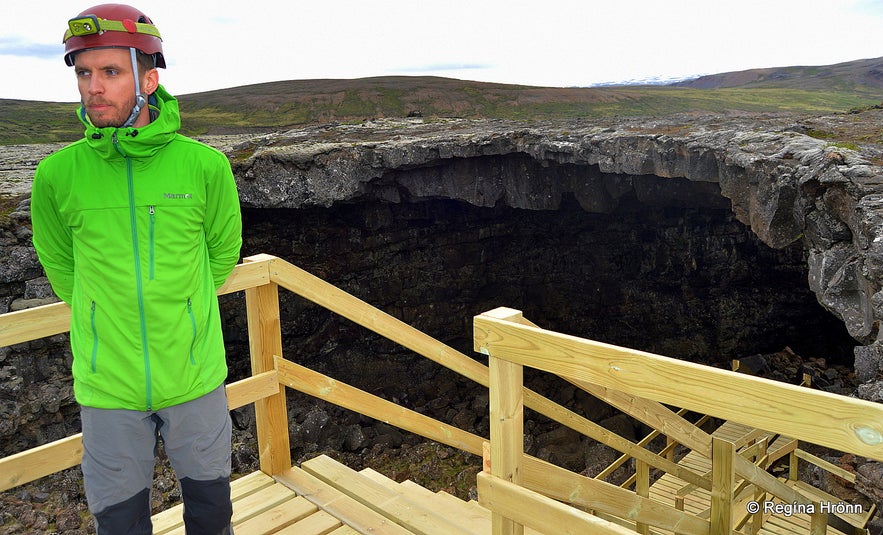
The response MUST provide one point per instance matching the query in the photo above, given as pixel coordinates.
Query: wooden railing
(637, 383)
(640, 383)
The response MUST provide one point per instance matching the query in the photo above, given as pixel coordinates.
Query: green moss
(844, 145)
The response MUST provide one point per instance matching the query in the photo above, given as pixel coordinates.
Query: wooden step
(166, 522)
(356, 517)
(319, 523)
(260, 506)
(390, 500)
(282, 515)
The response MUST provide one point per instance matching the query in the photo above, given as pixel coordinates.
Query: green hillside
(275, 105)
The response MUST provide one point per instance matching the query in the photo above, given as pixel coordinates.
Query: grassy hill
(827, 89)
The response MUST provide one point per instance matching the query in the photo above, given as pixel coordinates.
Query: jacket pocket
(193, 325)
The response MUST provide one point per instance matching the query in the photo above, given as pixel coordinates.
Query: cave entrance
(689, 282)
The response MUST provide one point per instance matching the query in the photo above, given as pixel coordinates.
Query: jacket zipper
(152, 210)
(133, 220)
(94, 340)
(192, 324)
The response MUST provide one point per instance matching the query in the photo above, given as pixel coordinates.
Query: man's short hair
(145, 62)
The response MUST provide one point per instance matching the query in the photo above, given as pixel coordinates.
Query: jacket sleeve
(223, 221)
(52, 237)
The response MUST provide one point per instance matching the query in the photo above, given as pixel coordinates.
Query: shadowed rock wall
(799, 195)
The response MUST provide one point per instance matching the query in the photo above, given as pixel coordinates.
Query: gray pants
(119, 448)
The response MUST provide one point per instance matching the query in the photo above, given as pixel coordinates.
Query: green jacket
(136, 229)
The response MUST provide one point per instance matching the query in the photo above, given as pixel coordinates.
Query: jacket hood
(136, 142)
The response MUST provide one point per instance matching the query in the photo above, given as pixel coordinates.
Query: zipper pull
(152, 209)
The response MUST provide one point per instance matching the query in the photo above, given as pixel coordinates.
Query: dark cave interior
(685, 282)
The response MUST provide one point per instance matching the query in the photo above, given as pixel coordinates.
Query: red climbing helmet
(109, 25)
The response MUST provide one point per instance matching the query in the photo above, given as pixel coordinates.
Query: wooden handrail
(627, 378)
(323, 387)
(846, 424)
(344, 304)
(539, 512)
(65, 453)
(49, 320)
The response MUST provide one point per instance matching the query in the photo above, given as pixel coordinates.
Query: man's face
(107, 86)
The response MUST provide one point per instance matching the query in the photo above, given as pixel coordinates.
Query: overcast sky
(215, 44)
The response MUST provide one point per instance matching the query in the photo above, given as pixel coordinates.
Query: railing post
(723, 477)
(642, 488)
(265, 342)
(818, 522)
(506, 429)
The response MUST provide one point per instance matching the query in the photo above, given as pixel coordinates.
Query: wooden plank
(672, 423)
(724, 483)
(166, 522)
(33, 323)
(254, 272)
(654, 414)
(392, 504)
(539, 512)
(344, 530)
(594, 495)
(668, 452)
(464, 513)
(855, 519)
(825, 465)
(388, 482)
(642, 488)
(259, 502)
(277, 517)
(847, 424)
(362, 519)
(253, 388)
(507, 433)
(471, 514)
(265, 341)
(781, 447)
(249, 484)
(340, 302)
(323, 387)
(320, 523)
(21, 468)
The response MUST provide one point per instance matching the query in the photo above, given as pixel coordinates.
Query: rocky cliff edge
(813, 180)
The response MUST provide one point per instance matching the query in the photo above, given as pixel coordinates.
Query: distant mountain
(277, 105)
(865, 73)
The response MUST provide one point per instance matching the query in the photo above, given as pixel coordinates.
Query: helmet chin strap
(140, 100)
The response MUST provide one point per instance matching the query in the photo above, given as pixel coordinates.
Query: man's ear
(150, 81)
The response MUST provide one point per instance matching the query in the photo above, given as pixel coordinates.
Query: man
(136, 227)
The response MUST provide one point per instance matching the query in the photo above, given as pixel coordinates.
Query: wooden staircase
(696, 501)
(323, 496)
